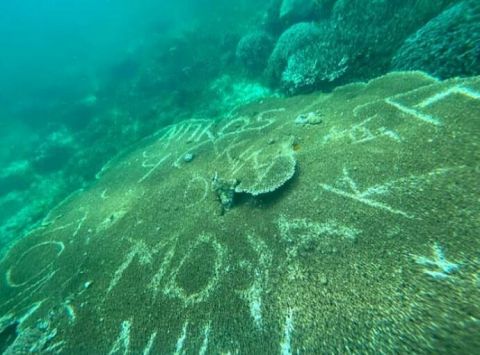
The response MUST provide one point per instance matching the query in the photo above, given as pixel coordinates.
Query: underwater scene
(240, 177)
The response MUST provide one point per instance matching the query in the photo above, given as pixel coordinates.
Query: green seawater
(202, 176)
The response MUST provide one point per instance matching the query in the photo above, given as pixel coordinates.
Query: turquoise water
(204, 176)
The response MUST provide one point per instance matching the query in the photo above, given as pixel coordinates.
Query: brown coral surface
(355, 235)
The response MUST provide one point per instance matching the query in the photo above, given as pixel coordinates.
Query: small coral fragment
(225, 190)
(311, 118)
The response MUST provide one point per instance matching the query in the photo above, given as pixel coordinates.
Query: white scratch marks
(139, 248)
(123, 340)
(353, 192)
(288, 328)
(153, 167)
(151, 340)
(206, 334)
(181, 340)
(442, 267)
(415, 113)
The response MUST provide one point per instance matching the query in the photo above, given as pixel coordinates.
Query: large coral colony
(323, 43)
(294, 176)
(209, 68)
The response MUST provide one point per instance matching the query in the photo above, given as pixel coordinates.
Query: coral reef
(17, 176)
(357, 41)
(356, 200)
(446, 46)
(297, 10)
(295, 38)
(253, 50)
(208, 69)
(317, 64)
(228, 92)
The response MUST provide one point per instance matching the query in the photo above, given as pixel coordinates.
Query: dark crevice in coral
(8, 336)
